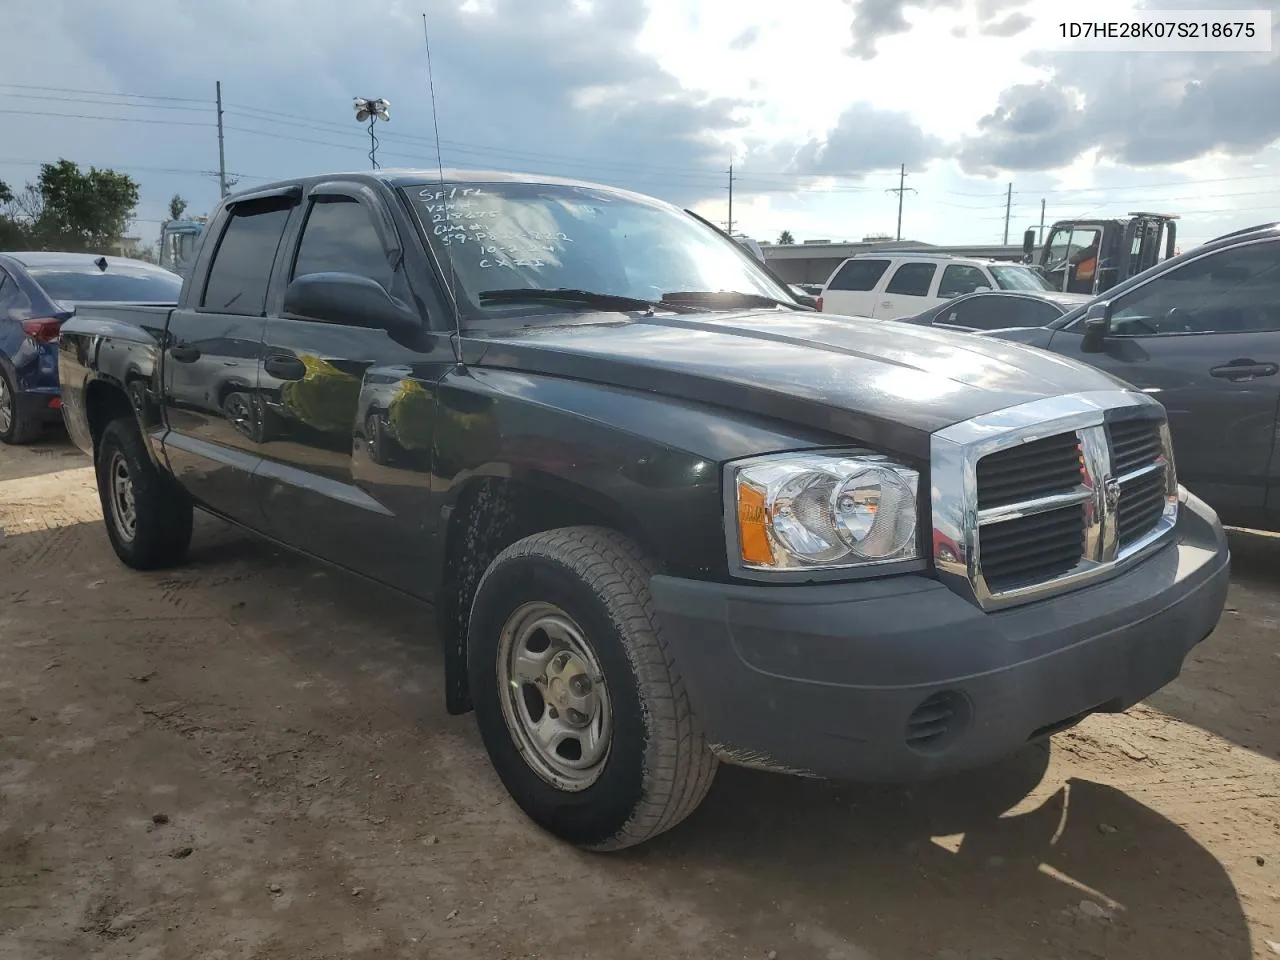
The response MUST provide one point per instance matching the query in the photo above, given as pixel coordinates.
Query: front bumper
(901, 679)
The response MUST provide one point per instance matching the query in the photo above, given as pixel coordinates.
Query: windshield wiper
(606, 301)
(724, 298)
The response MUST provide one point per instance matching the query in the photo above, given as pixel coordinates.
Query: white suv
(891, 285)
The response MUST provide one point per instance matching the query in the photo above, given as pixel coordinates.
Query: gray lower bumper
(900, 679)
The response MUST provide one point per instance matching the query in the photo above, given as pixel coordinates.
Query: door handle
(184, 353)
(1244, 370)
(886, 303)
(284, 368)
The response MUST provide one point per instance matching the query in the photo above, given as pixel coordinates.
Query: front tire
(148, 516)
(564, 645)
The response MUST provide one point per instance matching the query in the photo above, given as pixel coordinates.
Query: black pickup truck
(666, 516)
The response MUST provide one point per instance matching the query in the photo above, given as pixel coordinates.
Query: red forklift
(1092, 256)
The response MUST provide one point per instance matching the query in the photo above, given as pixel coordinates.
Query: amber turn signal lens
(753, 530)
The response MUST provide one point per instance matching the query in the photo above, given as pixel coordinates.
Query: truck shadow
(942, 870)
(1228, 684)
(52, 452)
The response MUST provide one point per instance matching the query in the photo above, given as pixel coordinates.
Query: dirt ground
(248, 757)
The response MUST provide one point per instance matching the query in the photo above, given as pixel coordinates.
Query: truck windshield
(87, 284)
(509, 237)
(1019, 278)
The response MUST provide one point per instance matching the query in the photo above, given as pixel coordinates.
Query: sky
(815, 103)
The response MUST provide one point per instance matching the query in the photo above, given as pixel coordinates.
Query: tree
(177, 207)
(6, 194)
(83, 211)
(786, 237)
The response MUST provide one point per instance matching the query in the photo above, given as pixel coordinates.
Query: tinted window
(959, 279)
(859, 275)
(242, 264)
(998, 313)
(912, 279)
(1234, 291)
(340, 237)
(120, 281)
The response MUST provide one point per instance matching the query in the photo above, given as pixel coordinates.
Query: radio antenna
(435, 125)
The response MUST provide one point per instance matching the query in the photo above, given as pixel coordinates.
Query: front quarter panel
(648, 464)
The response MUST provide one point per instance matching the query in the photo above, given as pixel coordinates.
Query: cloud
(745, 39)
(873, 20)
(1134, 109)
(554, 87)
(1010, 26)
(864, 139)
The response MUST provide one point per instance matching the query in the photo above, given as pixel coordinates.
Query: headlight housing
(826, 510)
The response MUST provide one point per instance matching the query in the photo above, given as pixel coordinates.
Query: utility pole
(731, 197)
(1008, 209)
(222, 153)
(901, 189)
(1041, 237)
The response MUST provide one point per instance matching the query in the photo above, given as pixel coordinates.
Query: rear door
(1204, 340)
(909, 290)
(346, 472)
(213, 352)
(851, 290)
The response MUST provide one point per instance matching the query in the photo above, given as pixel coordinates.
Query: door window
(859, 275)
(1234, 291)
(1000, 313)
(241, 265)
(340, 237)
(912, 279)
(961, 278)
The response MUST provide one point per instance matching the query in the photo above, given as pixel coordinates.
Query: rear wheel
(17, 425)
(148, 516)
(581, 708)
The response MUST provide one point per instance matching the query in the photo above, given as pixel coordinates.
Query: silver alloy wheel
(124, 512)
(554, 697)
(7, 404)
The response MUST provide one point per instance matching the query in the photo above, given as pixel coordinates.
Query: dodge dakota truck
(666, 516)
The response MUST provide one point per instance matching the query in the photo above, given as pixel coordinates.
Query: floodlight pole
(373, 142)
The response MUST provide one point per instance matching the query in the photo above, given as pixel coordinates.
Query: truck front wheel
(580, 706)
(148, 516)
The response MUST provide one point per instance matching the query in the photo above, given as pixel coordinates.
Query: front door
(349, 410)
(211, 362)
(1204, 340)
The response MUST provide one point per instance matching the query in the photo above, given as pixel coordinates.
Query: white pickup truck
(891, 285)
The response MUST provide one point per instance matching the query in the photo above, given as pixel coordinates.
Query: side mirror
(348, 299)
(1028, 243)
(982, 289)
(1097, 324)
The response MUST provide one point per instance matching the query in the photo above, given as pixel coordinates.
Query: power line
(91, 116)
(133, 96)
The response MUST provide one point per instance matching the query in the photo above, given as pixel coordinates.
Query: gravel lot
(248, 757)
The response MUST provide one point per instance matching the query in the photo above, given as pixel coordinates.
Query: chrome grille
(1039, 468)
(1046, 496)
(1033, 548)
(1134, 444)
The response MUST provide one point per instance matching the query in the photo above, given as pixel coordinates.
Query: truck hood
(882, 383)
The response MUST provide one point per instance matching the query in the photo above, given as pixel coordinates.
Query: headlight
(823, 510)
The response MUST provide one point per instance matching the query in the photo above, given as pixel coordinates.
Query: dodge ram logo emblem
(1111, 492)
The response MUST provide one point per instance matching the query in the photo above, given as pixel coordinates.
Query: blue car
(38, 292)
